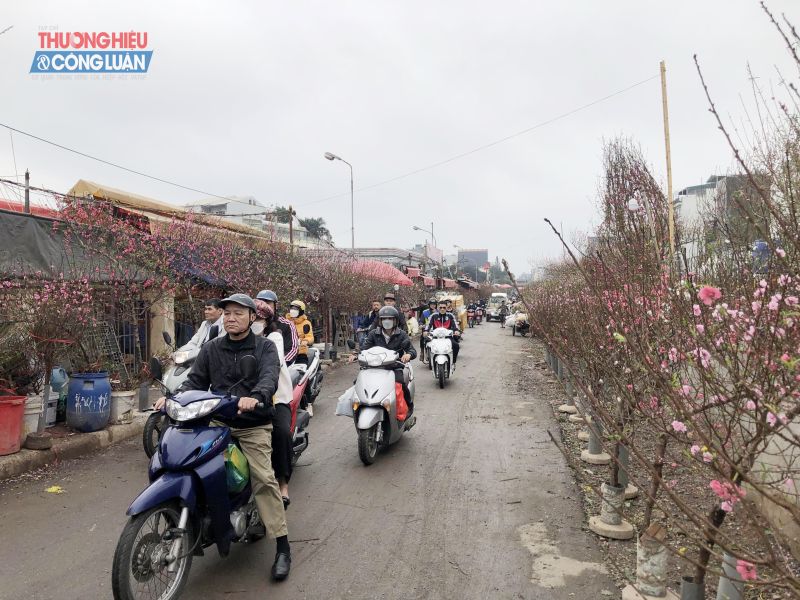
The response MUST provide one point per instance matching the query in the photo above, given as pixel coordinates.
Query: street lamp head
(415, 228)
(330, 156)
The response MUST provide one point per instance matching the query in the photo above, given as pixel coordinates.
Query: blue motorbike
(199, 495)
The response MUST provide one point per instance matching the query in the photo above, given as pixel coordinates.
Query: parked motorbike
(199, 495)
(471, 317)
(372, 402)
(440, 354)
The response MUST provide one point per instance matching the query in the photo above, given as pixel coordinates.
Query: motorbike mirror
(213, 332)
(167, 338)
(155, 369)
(351, 344)
(248, 366)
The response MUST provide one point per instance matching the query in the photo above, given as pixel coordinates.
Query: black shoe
(281, 566)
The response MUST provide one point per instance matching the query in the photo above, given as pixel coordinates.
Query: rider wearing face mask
(286, 327)
(389, 335)
(305, 333)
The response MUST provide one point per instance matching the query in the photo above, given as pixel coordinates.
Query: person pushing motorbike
(216, 368)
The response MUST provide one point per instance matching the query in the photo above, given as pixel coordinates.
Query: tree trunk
(715, 519)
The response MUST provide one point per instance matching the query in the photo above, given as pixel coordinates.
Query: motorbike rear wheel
(138, 571)
(513, 330)
(153, 430)
(368, 444)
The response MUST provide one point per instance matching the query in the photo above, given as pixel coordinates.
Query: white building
(249, 211)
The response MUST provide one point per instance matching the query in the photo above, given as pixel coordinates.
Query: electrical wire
(368, 187)
(106, 162)
(488, 145)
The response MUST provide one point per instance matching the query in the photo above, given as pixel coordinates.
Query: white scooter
(372, 402)
(440, 354)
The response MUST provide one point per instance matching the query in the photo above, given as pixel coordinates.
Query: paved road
(475, 502)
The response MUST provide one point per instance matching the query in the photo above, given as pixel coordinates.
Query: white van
(493, 306)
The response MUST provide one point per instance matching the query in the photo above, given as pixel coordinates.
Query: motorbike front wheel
(368, 444)
(139, 571)
(441, 376)
(153, 430)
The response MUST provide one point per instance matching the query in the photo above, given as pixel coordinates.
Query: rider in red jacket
(442, 318)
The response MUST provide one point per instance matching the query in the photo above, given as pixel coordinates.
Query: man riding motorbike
(216, 367)
(389, 335)
(212, 314)
(389, 299)
(448, 321)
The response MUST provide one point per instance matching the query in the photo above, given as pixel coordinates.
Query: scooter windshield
(377, 357)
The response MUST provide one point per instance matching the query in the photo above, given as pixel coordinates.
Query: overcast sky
(243, 98)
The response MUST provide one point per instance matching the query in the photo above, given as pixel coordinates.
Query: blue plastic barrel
(88, 401)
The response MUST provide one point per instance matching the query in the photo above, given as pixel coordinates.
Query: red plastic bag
(402, 407)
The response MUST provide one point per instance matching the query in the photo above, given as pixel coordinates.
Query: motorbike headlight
(180, 357)
(195, 410)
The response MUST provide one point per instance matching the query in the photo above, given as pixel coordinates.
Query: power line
(490, 144)
(368, 187)
(106, 162)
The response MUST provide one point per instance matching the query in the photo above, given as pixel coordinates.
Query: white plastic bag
(510, 321)
(344, 408)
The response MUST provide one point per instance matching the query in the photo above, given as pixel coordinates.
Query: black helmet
(242, 299)
(431, 300)
(389, 312)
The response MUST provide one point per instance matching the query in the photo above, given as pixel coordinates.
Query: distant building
(249, 211)
(397, 257)
(471, 261)
(717, 211)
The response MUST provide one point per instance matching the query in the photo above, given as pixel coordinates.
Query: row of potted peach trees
(694, 376)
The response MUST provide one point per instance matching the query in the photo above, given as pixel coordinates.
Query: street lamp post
(331, 156)
(433, 241)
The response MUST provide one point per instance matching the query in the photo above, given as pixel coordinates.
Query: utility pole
(670, 199)
(27, 191)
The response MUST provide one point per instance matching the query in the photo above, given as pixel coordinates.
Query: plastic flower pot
(691, 590)
(651, 562)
